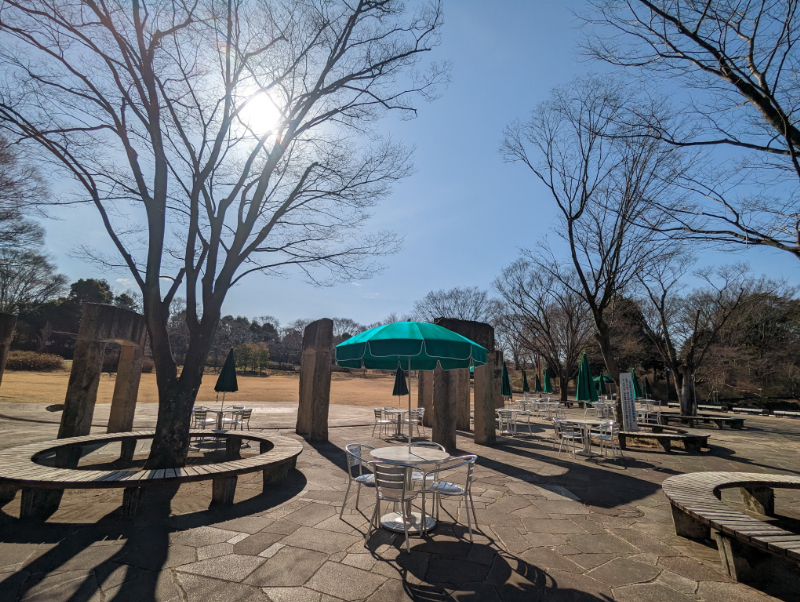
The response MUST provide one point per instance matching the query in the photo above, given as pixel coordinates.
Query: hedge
(38, 362)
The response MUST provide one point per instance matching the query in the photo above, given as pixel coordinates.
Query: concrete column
(425, 396)
(126, 390)
(7, 325)
(759, 499)
(445, 386)
(315, 380)
(498, 380)
(462, 399)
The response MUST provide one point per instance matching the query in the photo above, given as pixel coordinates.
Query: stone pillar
(445, 387)
(315, 380)
(759, 499)
(499, 402)
(462, 399)
(425, 396)
(126, 390)
(484, 382)
(7, 325)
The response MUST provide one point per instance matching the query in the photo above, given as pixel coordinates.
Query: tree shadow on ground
(85, 558)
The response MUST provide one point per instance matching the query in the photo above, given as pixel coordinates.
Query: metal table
(418, 456)
(221, 413)
(586, 426)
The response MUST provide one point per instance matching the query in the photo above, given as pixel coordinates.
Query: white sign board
(628, 406)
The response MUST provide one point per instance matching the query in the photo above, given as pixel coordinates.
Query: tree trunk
(603, 336)
(686, 395)
(562, 385)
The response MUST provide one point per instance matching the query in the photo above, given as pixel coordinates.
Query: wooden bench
(754, 411)
(787, 414)
(718, 421)
(42, 486)
(750, 549)
(664, 436)
(712, 408)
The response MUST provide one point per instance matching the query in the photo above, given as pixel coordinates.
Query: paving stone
(601, 544)
(245, 524)
(649, 592)
(69, 585)
(546, 559)
(692, 569)
(512, 539)
(291, 594)
(590, 561)
(213, 590)
(552, 526)
(289, 567)
(233, 567)
(159, 586)
(321, 541)
(311, 515)
(360, 561)
(469, 592)
(254, 544)
(680, 584)
(282, 527)
(561, 507)
(446, 570)
(345, 582)
(202, 536)
(394, 590)
(623, 571)
(571, 587)
(214, 550)
(646, 543)
(714, 591)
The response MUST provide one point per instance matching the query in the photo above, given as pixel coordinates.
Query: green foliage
(90, 291)
(35, 362)
(252, 357)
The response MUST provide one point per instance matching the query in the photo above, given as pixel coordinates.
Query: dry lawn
(50, 387)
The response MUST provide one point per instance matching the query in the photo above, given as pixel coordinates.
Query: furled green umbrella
(505, 383)
(525, 387)
(226, 383)
(637, 388)
(586, 390)
(548, 386)
(400, 387)
(412, 345)
(648, 390)
(537, 385)
(601, 383)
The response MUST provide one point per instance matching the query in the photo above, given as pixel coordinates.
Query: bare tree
(602, 178)
(684, 329)
(546, 315)
(216, 139)
(740, 61)
(461, 303)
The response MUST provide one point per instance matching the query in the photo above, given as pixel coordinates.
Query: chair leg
(347, 491)
(405, 525)
(424, 522)
(358, 492)
(371, 524)
(469, 522)
(472, 503)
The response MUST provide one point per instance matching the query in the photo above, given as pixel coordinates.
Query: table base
(394, 522)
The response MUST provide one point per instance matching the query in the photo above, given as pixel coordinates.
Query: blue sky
(464, 214)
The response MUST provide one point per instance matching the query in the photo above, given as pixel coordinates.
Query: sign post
(629, 422)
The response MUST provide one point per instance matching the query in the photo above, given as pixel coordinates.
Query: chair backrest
(238, 407)
(200, 414)
(247, 413)
(353, 452)
(428, 444)
(391, 479)
(378, 413)
(457, 462)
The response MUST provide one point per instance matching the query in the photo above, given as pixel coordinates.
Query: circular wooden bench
(718, 421)
(748, 547)
(42, 486)
(665, 435)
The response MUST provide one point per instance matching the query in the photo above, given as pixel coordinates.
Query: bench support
(127, 451)
(665, 445)
(693, 445)
(759, 499)
(274, 475)
(743, 563)
(39, 503)
(223, 489)
(7, 493)
(131, 499)
(688, 527)
(233, 448)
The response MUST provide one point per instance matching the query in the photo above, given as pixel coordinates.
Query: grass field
(50, 387)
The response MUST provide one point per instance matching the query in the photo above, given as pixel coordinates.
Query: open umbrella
(226, 383)
(548, 386)
(585, 390)
(537, 385)
(400, 387)
(412, 345)
(525, 387)
(637, 388)
(505, 383)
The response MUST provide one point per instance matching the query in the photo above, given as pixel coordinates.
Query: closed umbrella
(537, 385)
(525, 387)
(505, 383)
(648, 390)
(400, 387)
(637, 388)
(586, 390)
(226, 383)
(548, 386)
(412, 345)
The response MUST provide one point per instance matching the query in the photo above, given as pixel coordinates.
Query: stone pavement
(549, 528)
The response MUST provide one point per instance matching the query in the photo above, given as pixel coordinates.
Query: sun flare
(260, 113)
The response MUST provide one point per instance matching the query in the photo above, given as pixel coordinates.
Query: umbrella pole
(409, 400)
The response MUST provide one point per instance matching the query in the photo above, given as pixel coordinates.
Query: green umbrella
(525, 387)
(226, 383)
(601, 381)
(505, 383)
(586, 390)
(412, 345)
(537, 385)
(400, 387)
(648, 390)
(548, 386)
(637, 388)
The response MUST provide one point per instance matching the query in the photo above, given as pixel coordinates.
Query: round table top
(409, 455)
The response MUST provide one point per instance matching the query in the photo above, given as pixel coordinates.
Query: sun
(260, 113)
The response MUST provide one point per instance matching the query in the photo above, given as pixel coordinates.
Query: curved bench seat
(748, 546)
(665, 435)
(42, 486)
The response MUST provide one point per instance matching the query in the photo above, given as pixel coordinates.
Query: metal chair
(607, 437)
(200, 419)
(242, 419)
(439, 488)
(381, 423)
(506, 422)
(393, 483)
(353, 453)
(569, 433)
(414, 418)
